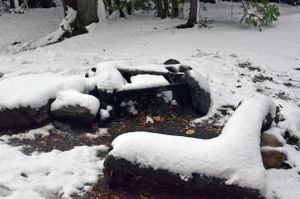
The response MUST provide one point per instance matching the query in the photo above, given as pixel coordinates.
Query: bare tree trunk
(118, 4)
(165, 9)
(159, 7)
(192, 20)
(175, 8)
(129, 7)
(87, 13)
(193, 12)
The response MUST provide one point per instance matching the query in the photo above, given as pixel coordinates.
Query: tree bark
(192, 20)
(87, 13)
(175, 8)
(193, 12)
(159, 8)
(165, 9)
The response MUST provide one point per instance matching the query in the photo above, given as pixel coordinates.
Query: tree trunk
(165, 9)
(193, 12)
(159, 8)
(192, 20)
(175, 8)
(87, 13)
(119, 6)
(129, 7)
(78, 14)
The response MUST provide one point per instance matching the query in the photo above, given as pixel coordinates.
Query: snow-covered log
(65, 30)
(231, 162)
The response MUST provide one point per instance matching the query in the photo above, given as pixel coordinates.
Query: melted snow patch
(31, 134)
(100, 133)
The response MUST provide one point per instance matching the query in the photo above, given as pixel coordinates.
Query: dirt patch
(249, 66)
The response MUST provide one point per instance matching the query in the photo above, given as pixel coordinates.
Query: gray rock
(184, 68)
(1, 75)
(201, 99)
(171, 62)
(267, 123)
(75, 115)
(23, 117)
(273, 159)
(270, 140)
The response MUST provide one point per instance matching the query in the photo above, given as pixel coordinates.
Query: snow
(101, 11)
(167, 96)
(234, 155)
(284, 184)
(104, 113)
(149, 119)
(100, 133)
(31, 134)
(108, 77)
(148, 67)
(48, 175)
(202, 81)
(73, 98)
(145, 81)
(55, 36)
(130, 106)
(31, 25)
(35, 90)
(145, 41)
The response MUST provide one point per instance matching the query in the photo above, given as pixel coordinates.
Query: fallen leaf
(190, 132)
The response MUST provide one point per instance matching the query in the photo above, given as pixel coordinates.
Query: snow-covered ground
(237, 61)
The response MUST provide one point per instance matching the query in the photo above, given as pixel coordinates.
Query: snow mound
(108, 77)
(145, 81)
(48, 175)
(73, 98)
(234, 155)
(35, 90)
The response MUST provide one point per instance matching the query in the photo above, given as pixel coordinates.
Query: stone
(267, 123)
(172, 69)
(184, 68)
(270, 140)
(201, 98)
(75, 115)
(273, 159)
(171, 62)
(1, 75)
(24, 117)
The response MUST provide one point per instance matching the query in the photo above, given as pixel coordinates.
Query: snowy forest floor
(238, 62)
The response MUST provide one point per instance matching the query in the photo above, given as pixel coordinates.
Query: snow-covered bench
(230, 164)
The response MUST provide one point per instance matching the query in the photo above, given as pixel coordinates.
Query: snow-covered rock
(25, 100)
(200, 91)
(23, 117)
(75, 98)
(234, 156)
(75, 107)
(108, 77)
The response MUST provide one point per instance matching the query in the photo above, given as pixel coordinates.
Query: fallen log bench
(229, 165)
(189, 88)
